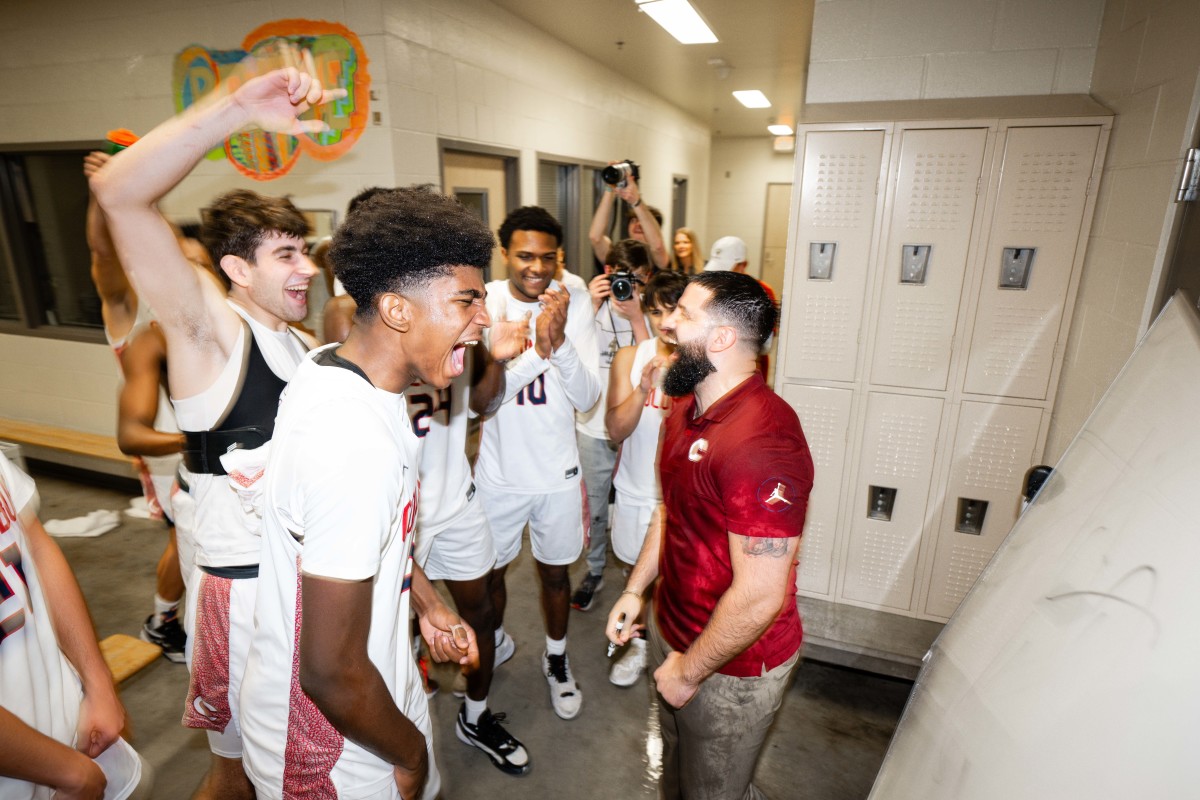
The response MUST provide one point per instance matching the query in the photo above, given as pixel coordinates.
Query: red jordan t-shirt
(742, 467)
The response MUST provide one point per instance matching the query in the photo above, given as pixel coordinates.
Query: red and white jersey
(340, 503)
(637, 468)
(225, 530)
(529, 446)
(37, 683)
(439, 419)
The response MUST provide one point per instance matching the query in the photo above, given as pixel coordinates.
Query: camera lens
(621, 287)
(615, 174)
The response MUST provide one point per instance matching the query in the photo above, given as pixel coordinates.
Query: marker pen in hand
(612, 646)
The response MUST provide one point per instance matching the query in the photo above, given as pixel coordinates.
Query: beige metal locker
(993, 447)
(1035, 237)
(888, 509)
(825, 417)
(924, 263)
(838, 199)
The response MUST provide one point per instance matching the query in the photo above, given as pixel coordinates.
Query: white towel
(94, 524)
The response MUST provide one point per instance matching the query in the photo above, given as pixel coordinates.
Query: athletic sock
(162, 608)
(475, 709)
(499, 635)
(556, 647)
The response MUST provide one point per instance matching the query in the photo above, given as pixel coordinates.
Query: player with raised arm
(528, 469)
(230, 357)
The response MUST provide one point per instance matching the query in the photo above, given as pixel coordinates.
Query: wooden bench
(90, 451)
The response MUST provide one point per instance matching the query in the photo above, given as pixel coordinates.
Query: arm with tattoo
(761, 567)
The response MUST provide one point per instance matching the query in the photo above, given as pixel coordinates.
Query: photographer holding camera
(645, 221)
(616, 298)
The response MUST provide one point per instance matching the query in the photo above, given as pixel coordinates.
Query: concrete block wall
(906, 50)
(1148, 71)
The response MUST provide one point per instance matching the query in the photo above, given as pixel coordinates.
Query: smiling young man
(528, 469)
(332, 700)
(230, 356)
(736, 474)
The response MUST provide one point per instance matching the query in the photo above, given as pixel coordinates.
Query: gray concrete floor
(828, 742)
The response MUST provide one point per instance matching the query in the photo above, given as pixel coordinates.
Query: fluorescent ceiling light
(752, 98)
(679, 19)
(780, 130)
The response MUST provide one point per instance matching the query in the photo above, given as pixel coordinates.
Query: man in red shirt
(736, 474)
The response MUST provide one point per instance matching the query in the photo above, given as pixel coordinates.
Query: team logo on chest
(775, 494)
(698, 450)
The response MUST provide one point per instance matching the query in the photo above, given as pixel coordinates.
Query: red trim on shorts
(208, 689)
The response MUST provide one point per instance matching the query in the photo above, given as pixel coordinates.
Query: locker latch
(914, 263)
(970, 515)
(880, 501)
(820, 260)
(1015, 265)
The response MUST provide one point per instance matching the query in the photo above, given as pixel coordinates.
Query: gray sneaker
(585, 595)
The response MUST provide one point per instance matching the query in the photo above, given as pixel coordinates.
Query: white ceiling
(765, 41)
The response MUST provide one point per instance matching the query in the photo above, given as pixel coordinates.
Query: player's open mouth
(458, 356)
(299, 292)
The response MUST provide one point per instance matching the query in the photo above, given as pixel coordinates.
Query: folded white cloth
(246, 469)
(94, 524)
(138, 508)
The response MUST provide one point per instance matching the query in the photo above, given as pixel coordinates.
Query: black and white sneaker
(585, 595)
(564, 691)
(168, 635)
(490, 736)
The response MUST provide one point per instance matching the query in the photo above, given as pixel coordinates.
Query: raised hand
(509, 337)
(275, 101)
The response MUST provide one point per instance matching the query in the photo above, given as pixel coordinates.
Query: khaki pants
(711, 745)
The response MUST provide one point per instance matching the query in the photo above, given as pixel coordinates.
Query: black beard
(690, 367)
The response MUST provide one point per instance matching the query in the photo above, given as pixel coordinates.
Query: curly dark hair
(237, 222)
(364, 196)
(400, 239)
(530, 218)
(663, 289)
(740, 301)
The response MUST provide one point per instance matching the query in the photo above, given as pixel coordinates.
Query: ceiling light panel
(780, 130)
(678, 18)
(752, 98)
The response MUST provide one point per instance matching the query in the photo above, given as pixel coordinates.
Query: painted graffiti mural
(340, 62)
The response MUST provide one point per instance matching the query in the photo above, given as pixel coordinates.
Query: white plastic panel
(1070, 669)
(1042, 197)
(897, 453)
(825, 417)
(838, 183)
(933, 206)
(993, 448)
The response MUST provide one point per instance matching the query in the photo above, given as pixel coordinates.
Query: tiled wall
(1147, 69)
(462, 70)
(920, 49)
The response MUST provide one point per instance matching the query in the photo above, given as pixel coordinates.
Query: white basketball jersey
(637, 466)
(439, 419)
(528, 446)
(340, 503)
(224, 529)
(37, 683)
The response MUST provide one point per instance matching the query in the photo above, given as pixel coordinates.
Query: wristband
(635, 205)
(638, 595)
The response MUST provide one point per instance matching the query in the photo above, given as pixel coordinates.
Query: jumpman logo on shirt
(777, 496)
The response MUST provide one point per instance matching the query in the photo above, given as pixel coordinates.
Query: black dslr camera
(619, 174)
(621, 285)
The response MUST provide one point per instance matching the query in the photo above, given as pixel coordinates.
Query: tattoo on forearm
(758, 546)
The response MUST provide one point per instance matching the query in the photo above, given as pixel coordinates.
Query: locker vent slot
(1045, 188)
(940, 182)
(902, 446)
(915, 341)
(1013, 339)
(884, 555)
(823, 330)
(966, 564)
(844, 196)
(998, 457)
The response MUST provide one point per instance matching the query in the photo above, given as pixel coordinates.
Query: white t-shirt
(224, 529)
(37, 683)
(529, 446)
(439, 419)
(340, 502)
(637, 468)
(612, 333)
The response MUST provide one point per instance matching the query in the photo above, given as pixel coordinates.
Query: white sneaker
(504, 651)
(564, 692)
(630, 665)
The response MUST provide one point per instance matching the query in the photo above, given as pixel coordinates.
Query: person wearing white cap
(728, 254)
